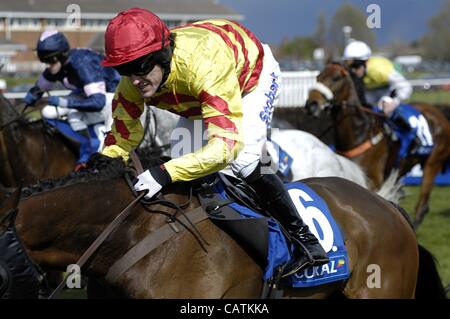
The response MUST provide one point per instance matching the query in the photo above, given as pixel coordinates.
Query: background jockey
(379, 84)
(78, 70)
(384, 86)
(218, 73)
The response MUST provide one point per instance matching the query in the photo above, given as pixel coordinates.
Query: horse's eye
(336, 78)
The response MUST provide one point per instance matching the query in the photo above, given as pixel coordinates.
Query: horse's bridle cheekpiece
(20, 277)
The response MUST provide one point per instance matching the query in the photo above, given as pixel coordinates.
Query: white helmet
(357, 50)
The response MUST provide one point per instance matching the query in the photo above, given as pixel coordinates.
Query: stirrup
(306, 264)
(310, 261)
(296, 269)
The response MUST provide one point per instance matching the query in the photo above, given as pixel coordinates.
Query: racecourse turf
(434, 233)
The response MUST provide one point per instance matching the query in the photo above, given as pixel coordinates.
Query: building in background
(22, 21)
(8, 50)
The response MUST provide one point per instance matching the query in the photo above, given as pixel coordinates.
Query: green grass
(432, 97)
(434, 233)
(13, 81)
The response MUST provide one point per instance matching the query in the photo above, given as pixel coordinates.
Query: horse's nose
(312, 108)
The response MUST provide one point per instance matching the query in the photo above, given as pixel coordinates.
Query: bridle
(151, 122)
(332, 102)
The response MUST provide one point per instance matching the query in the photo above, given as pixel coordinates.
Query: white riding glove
(388, 104)
(152, 180)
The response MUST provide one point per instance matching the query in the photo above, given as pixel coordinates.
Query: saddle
(250, 233)
(230, 204)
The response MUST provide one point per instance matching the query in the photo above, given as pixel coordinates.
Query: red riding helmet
(132, 34)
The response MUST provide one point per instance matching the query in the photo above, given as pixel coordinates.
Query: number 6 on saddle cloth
(226, 201)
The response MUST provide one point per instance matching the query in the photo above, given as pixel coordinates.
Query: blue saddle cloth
(315, 213)
(409, 126)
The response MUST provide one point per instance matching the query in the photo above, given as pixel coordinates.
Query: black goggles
(140, 67)
(48, 57)
(358, 63)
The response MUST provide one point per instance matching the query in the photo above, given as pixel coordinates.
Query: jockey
(81, 72)
(378, 83)
(383, 85)
(214, 73)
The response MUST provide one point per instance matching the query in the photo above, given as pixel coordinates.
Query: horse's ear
(329, 58)
(10, 202)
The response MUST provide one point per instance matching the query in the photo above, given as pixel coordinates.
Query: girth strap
(149, 243)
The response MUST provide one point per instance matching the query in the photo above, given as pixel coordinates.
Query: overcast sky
(274, 20)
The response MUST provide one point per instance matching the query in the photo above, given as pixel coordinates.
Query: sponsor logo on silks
(266, 115)
(315, 213)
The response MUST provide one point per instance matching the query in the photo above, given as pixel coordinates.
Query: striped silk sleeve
(127, 131)
(221, 106)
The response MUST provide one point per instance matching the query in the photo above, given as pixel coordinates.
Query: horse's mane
(100, 168)
(336, 62)
(8, 111)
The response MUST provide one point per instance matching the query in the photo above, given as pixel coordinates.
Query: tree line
(434, 45)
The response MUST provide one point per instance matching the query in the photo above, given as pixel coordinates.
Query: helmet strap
(166, 66)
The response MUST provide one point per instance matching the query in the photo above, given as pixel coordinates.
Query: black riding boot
(307, 251)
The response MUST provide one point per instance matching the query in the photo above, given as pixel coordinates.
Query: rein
(18, 118)
(368, 111)
(151, 241)
(371, 141)
(104, 234)
(100, 239)
(150, 118)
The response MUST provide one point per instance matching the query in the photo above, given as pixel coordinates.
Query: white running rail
(294, 87)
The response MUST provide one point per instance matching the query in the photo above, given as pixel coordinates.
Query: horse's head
(333, 87)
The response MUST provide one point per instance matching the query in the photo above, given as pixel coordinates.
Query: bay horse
(58, 219)
(360, 134)
(31, 150)
(28, 152)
